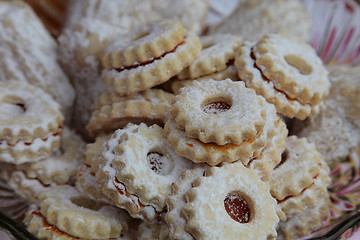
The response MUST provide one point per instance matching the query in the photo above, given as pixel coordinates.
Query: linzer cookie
(31, 123)
(304, 177)
(293, 66)
(254, 78)
(241, 205)
(61, 167)
(175, 202)
(143, 72)
(138, 159)
(66, 209)
(218, 52)
(221, 112)
(113, 112)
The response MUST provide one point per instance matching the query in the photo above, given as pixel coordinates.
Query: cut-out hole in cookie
(299, 64)
(140, 35)
(216, 106)
(237, 207)
(159, 163)
(12, 106)
(86, 203)
(284, 157)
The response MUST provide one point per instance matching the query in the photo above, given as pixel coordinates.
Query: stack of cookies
(182, 132)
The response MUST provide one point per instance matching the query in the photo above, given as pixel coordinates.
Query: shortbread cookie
(303, 224)
(25, 187)
(217, 52)
(143, 45)
(271, 154)
(94, 150)
(37, 225)
(210, 153)
(176, 201)
(30, 123)
(299, 155)
(88, 186)
(221, 112)
(251, 19)
(113, 112)
(65, 208)
(61, 167)
(137, 163)
(213, 154)
(253, 78)
(241, 204)
(28, 53)
(304, 177)
(293, 66)
(309, 197)
(229, 72)
(144, 75)
(336, 130)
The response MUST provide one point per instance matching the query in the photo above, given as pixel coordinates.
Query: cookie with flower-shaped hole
(137, 163)
(220, 112)
(233, 197)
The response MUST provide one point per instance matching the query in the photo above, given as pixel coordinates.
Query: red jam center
(216, 107)
(237, 208)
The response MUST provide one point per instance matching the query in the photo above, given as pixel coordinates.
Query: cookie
(293, 66)
(152, 69)
(253, 78)
(113, 112)
(218, 52)
(138, 159)
(65, 208)
(31, 123)
(242, 205)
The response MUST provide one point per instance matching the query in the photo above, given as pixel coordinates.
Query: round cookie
(141, 161)
(126, 78)
(242, 205)
(253, 78)
(218, 52)
(113, 112)
(221, 112)
(31, 123)
(61, 167)
(65, 208)
(293, 66)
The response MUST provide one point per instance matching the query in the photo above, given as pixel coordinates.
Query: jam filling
(57, 133)
(216, 107)
(237, 208)
(149, 61)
